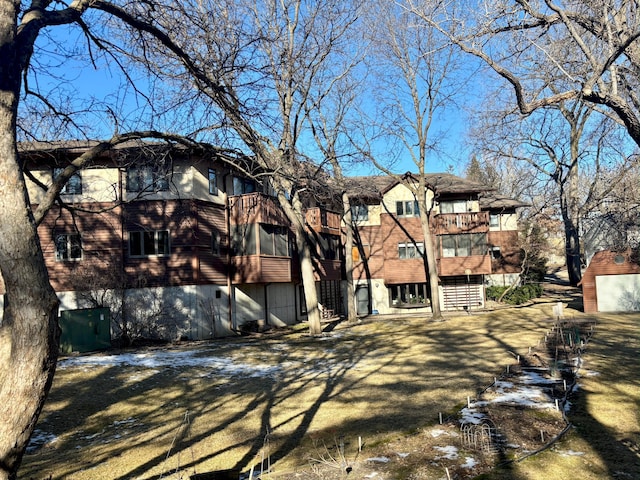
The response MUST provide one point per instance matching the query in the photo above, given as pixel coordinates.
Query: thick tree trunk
(347, 222)
(28, 330)
(432, 266)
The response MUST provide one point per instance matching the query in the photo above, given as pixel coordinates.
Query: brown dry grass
(384, 381)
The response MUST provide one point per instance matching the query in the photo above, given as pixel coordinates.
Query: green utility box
(85, 330)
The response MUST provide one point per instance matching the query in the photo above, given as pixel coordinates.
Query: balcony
(323, 221)
(473, 265)
(470, 222)
(256, 208)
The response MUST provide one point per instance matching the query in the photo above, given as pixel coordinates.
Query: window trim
(401, 208)
(73, 186)
(213, 182)
(70, 247)
(157, 242)
(137, 177)
(416, 247)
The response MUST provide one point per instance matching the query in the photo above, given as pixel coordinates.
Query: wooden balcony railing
(471, 222)
(323, 221)
(256, 208)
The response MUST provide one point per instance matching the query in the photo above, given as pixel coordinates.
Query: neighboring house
(177, 245)
(476, 242)
(611, 282)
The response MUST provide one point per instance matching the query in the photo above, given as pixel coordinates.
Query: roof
(495, 201)
(378, 185)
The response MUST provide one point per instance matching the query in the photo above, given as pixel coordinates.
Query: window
(243, 239)
(463, 245)
(73, 185)
(408, 294)
(329, 246)
(215, 243)
(453, 206)
(494, 220)
(147, 178)
(359, 213)
(407, 208)
(68, 247)
(213, 182)
(410, 250)
(274, 241)
(243, 185)
(147, 244)
(496, 253)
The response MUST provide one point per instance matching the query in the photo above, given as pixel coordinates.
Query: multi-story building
(181, 245)
(476, 242)
(175, 244)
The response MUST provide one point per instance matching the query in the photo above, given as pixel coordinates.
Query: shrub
(517, 295)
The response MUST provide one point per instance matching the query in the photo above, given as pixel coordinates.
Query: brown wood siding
(404, 271)
(373, 262)
(511, 259)
(213, 267)
(477, 264)
(176, 216)
(329, 270)
(603, 263)
(101, 262)
(261, 269)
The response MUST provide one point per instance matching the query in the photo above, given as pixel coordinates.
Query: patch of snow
(371, 475)
(39, 439)
(570, 453)
(470, 462)
(438, 432)
(173, 359)
(402, 455)
(378, 459)
(469, 415)
(450, 452)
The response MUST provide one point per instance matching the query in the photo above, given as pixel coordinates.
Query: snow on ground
(449, 452)
(39, 439)
(156, 359)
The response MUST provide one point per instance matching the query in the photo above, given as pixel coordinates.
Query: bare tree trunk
(28, 331)
(432, 267)
(347, 222)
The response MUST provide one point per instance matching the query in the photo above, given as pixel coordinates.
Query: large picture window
(147, 178)
(68, 247)
(149, 243)
(409, 294)
(274, 241)
(453, 206)
(243, 185)
(73, 185)
(243, 239)
(463, 245)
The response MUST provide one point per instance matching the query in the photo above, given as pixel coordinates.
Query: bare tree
(252, 66)
(415, 70)
(554, 52)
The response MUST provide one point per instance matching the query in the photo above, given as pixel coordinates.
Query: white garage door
(618, 293)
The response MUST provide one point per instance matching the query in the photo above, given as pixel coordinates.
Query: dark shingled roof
(495, 201)
(378, 185)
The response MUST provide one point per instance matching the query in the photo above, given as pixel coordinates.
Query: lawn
(285, 398)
